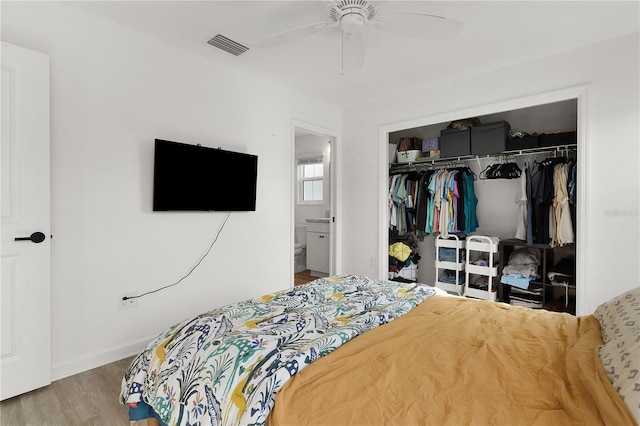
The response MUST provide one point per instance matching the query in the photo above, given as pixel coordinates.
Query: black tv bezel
(160, 205)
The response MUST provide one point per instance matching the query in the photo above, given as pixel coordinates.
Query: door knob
(36, 237)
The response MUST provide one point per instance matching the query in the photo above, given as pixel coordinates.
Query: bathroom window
(310, 180)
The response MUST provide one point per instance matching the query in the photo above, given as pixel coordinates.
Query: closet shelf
(547, 290)
(453, 266)
(482, 270)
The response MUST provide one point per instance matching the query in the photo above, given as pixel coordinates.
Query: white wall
(611, 221)
(113, 91)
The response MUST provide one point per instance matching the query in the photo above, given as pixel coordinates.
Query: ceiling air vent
(228, 45)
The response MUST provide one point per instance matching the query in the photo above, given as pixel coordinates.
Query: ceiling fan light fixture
(352, 15)
(352, 22)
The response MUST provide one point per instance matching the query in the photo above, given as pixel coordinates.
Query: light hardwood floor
(303, 277)
(89, 398)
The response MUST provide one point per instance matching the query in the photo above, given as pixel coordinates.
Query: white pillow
(621, 360)
(620, 315)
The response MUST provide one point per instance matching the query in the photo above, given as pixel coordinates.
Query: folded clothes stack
(522, 267)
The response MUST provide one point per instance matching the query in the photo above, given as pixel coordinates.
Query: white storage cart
(453, 268)
(488, 269)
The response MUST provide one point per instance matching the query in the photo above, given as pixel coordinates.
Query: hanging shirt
(460, 222)
(393, 207)
(422, 201)
(437, 202)
(544, 200)
(521, 203)
(444, 204)
(431, 184)
(399, 198)
(471, 202)
(452, 198)
(527, 172)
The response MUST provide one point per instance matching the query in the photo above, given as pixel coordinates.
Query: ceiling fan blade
(289, 35)
(352, 52)
(421, 25)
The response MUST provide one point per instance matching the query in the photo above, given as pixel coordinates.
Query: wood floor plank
(303, 277)
(88, 398)
(11, 413)
(43, 405)
(67, 391)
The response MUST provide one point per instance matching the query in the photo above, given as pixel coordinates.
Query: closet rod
(442, 162)
(547, 150)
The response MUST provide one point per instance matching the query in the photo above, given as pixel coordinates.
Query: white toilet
(300, 248)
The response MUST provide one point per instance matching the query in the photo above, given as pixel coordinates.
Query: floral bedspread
(225, 366)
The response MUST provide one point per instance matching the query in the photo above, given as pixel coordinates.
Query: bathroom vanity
(318, 246)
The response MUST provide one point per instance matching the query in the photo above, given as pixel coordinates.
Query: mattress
(460, 361)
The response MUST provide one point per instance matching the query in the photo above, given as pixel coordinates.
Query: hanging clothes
(572, 196)
(432, 201)
(560, 225)
(422, 203)
(554, 219)
(544, 199)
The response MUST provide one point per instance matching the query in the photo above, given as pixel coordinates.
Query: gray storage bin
(525, 142)
(489, 138)
(455, 143)
(557, 139)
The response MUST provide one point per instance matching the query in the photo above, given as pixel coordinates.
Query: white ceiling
(496, 34)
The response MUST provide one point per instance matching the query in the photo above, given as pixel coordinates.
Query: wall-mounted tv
(196, 178)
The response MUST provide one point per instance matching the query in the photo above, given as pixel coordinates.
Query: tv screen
(196, 178)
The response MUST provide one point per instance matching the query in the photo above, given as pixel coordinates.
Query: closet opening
(496, 187)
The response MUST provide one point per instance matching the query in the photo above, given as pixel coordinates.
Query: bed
(356, 350)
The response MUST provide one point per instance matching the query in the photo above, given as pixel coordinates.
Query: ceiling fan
(352, 19)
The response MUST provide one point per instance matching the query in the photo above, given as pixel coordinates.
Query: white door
(25, 299)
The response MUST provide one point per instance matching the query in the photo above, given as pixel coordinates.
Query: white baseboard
(79, 365)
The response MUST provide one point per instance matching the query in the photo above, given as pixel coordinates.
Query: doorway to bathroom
(313, 203)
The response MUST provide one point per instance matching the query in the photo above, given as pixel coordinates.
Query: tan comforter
(459, 361)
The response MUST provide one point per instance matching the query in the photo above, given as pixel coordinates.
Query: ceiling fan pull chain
(342, 54)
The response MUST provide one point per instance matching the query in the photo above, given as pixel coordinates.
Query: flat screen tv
(197, 178)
